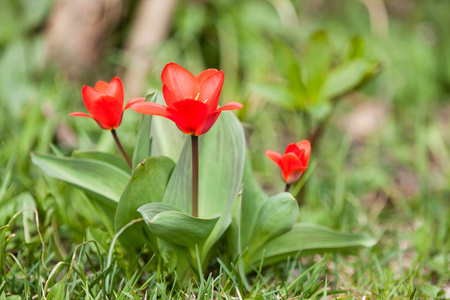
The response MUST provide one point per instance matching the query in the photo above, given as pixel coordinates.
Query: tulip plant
(192, 181)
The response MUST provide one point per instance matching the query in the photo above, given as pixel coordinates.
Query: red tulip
(105, 103)
(191, 100)
(293, 162)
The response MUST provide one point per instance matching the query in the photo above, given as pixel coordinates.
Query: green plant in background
(318, 77)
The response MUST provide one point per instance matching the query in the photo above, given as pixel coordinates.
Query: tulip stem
(287, 188)
(194, 144)
(119, 145)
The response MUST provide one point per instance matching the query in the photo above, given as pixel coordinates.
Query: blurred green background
(382, 164)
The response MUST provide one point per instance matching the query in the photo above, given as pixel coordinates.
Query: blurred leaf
(309, 237)
(346, 77)
(276, 217)
(176, 227)
(288, 65)
(277, 93)
(320, 110)
(103, 157)
(148, 184)
(221, 155)
(143, 146)
(58, 291)
(316, 62)
(430, 290)
(13, 59)
(174, 257)
(102, 238)
(354, 49)
(423, 239)
(102, 180)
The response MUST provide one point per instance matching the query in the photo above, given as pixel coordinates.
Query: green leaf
(347, 77)
(252, 198)
(430, 290)
(288, 65)
(316, 62)
(58, 291)
(221, 155)
(276, 217)
(309, 237)
(277, 93)
(147, 185)
(103, 181)
(176, 227)
(102, 238)
(167, 139)
(142, 149)
(354, 49)
(104, 157)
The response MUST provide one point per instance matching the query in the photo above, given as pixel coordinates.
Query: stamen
(198, 95)
(205, 100)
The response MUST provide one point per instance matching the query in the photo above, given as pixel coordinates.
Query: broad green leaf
(147, 185)
(309, 237)
(102, 180)
(176, 227)
(221, 155)
(167, 139)
(142, 149)
(347, 77)
(252, 199)
(276, 217)
(104, 157)
(316, 62)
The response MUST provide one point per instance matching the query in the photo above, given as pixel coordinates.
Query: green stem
(194, 142)
(119, 145)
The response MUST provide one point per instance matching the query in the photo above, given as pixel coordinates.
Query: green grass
(393, 183)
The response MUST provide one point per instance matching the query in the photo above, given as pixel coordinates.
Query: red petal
(169, 97)
(210, 90)
(275, 157)
(107, 111)
(205, 74)
(230, 106)
(115, 89)
(89, 95)
(180, 81)
(207, 123)
(292, 168)
(188, 115)
(133, 101)
(306, 146)
(150, 108)
(293, 148)
(79, 114)
(100, 87)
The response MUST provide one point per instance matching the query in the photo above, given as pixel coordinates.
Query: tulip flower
(104, 102)
(192, 104)
(293, 162)
(191, 100)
